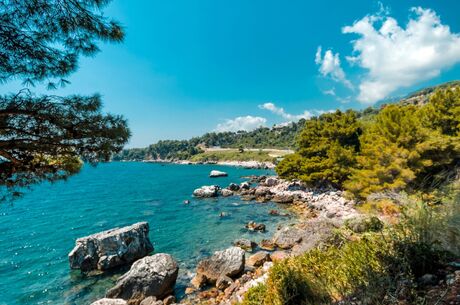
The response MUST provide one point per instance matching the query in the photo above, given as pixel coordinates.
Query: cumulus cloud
(394, 56)
(287, 116)
(330, 92)
(246, 123)
(329, 65)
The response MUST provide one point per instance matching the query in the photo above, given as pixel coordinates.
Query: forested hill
(279, 137)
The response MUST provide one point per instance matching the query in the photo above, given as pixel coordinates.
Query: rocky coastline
(224, 277)
(244, 164)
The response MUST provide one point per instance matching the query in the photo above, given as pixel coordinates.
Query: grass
(232, 155)
(372, 267)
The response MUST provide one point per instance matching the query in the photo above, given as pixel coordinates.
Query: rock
(229, 262)
(252, 226)
(274, 213)
(278, 256)
(106, 301)
(233, 187)
(169, 300)
(245, 186)
(112, 248)
(267, 245)
(215, 174)
(198, 281)
(287, 237)
(207, 191)
(245, 244)
(151, 301)
(271, 181)
(258, 259)
(315, 233)
(189, 290)
(283, 197)
(150, 276)
(223, 282)
(226, 193)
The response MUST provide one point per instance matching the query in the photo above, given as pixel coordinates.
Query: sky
(190, 67)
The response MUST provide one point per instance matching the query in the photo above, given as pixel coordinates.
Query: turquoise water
(39, 230)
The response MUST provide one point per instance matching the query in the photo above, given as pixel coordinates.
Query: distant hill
(277, 137)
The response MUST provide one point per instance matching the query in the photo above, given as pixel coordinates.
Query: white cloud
(329, 65)
(397, 57)
(246, 123)
(287, 116)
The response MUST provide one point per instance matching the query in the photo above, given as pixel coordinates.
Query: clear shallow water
(38, 231)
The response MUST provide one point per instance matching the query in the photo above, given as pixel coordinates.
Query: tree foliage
(400, 147)
(327, 150)
(46, 137)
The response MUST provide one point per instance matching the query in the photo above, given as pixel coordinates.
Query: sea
(38, 230)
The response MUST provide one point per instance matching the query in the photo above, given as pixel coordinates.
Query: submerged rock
(207, 191)
(253, 226)
(111, 248)
(151, 276)
(229, 262)
(215, 174)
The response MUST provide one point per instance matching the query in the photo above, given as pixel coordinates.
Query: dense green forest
(402, 146)
(281, 137)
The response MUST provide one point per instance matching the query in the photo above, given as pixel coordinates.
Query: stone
(258, 259)
(169, 300)
(151, 301)
(106, 301)
(198, 281)
(229, 262)
(245, 186)
(267, 244)
(233, 187)
(245, 244)
(427, 280)
(271, 181)
(216, 174)
(223, 282)
(111, 248)
(253, 226)
(283, 197)
(150, 276)
(278, 256)
(274, 213)
(207, 191)
(226, 193)
(287, 237)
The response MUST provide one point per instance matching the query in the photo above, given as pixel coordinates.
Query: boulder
(283, 197)
(151, 301)
(233, 187)
(287, 237)
(153, 276)
(258, 259)
(106, 301)
(229, 262)
(267, 245)
(253, 226)
(271, 181)
(223, 282)
(245, 244)
(245, 186)
(112, 248)
(278, 256)
(215, 174)
(207, 191)
(226, 193)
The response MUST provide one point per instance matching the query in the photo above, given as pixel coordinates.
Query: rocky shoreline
(224, 277)
(244, 164)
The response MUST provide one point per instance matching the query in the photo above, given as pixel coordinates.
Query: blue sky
(188, 67)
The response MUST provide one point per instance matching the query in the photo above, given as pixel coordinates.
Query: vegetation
(233, 155)
(375, 267)
(401, 147)
(45, 137)
(281, 137)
